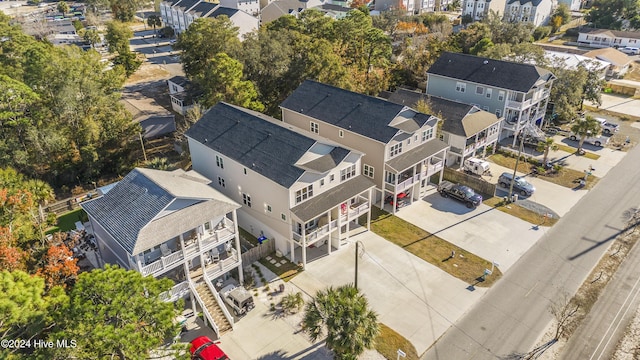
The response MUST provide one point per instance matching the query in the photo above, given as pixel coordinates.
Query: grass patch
(68, 220)
(565, 177)
(520, 212)
(432, 249)
(571, 150)
(286, 271)
(388, 342)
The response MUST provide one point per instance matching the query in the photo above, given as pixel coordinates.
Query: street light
(358, 254)
(513, 179)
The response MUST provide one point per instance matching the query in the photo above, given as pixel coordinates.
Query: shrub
(292, 303)
(557, 167)
(541, 32)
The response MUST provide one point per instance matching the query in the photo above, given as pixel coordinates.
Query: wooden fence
(476, 183)
(258, 252)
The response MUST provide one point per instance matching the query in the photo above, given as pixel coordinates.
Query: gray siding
(110, 251)
(446, 88)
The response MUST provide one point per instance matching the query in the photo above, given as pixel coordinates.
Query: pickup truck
(597, 140)
(608, 128)
(461, 193)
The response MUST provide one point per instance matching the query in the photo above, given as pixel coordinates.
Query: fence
(258, 252)
(478, 184)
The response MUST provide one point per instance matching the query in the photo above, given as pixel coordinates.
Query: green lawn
(68, 220)
(465, 266)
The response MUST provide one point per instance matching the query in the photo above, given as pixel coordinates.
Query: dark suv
(520, 185)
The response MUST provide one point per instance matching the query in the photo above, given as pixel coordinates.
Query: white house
(573, 61)
(179, 14)
(251, 7)
(171, 225)
(275, 9)
(604, 38)
(300, 192)
(537, 12)
(181, 94)
(478, 9)
(619, 62)
(573, 5)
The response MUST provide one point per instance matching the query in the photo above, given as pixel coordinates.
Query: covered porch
(324, 221)
(407, 175)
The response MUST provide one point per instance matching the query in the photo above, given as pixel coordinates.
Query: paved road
(599, 334)
(512, 316)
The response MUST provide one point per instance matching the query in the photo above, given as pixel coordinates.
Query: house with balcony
(604, 38)
(536, 12)
(401, 152)
(171, 224)
(468, 130)
(300, 192)
(518, 92)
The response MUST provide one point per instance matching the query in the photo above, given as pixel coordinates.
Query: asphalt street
(512, 316)
(598, 335)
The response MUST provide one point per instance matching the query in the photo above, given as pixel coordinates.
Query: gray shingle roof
(416, 155)
(326, 162)
(130, 210)
(501, 74)
(362, 114)
(246, 137)
(522, 2)
(179, 80)
(331, 198)
(185, 5)
(203, 8)
(616, 33)
(229, 12)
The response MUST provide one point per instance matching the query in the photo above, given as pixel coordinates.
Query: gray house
(467, 129)
(401, 151)
(299, 192)
(519, 92)
(172, 225)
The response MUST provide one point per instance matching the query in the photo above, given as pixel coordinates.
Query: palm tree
(342, 314)
(154, 21)
(545, 146)
(584, 128)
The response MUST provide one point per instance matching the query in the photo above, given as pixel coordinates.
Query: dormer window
(395, 149)
(314, 127)
(304, 194)
(427, 134)
(347, 173)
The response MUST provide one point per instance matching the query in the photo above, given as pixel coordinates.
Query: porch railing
(176, 292)
(192, 286)
(219, 301)
(222, 266)
(357, 211)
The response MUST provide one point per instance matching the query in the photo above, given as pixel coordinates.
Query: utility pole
(144, 152)
(358, 254)
(513, 179)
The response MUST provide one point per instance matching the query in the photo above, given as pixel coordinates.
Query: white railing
(176, 292)
(152, 268)
(433, 168)
(405, 184)
(219, 301)
(213, 271)
(171, 258)
(162, 263)
(357, 211)
(204, 307)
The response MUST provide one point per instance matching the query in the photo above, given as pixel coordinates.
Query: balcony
(519, 105)
(358, 209)
(224, 265)
(433, 168)
(176, 292)
(164, 263)
(406, 183)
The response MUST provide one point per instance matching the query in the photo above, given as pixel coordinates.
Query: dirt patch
(148, 72)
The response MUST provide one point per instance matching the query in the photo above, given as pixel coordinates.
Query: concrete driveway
(411, 296)
(558, 198)
(484, 231)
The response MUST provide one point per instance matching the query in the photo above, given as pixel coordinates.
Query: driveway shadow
(447, 204)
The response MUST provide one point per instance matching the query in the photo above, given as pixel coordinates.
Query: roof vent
(253, 164)
(205, 140)
(485, 62)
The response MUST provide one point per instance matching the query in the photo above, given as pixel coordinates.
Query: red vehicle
(203, 348)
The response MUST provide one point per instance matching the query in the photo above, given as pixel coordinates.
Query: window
(219, 162)
(479, 90)
(498, 113)
(304, 194)
(245, 171)
(427, 134)
(395, 149)
(461, 87)
(268, 208)
(221, 181)
(341, 133)
(409, 141)
(283, 217)
(368, 170)
(321, 182)
(500, 95)
(246, 199)
(347, 173)
(488, 93)
(485, 108)
(314, 127)
(441, 137)
(332, 177)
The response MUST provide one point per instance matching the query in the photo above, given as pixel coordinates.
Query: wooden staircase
(212, 307)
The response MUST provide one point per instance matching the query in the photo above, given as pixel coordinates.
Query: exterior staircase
(211, 306)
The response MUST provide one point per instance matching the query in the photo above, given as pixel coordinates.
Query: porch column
(340, 228)
(348, 221)
(193, 303)
(304, 246)
(329, 240)
(369, 212)
(475, 147)
(181, 239)
(139, 263)
(292, 247)
(444, 156)
(234, 217)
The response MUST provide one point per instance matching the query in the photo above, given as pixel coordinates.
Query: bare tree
(565, 311)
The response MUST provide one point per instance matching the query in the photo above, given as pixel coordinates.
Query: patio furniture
(165, 250)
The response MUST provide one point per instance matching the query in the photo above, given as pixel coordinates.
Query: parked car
(630, 50)
(401, 200)
(203, 348)
(520, 185)
(531, 140)
(608, 128)
(238, 299)
(597, 140)
(459, 192)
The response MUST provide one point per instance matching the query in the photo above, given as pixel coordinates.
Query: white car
(608, 128)
(630, 50)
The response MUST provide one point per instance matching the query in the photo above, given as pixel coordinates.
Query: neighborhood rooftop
(365, 115)
(497, 73)
(253, 140)
(144, 195)
(612, 33)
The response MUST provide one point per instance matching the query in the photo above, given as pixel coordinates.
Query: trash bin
(515, 197)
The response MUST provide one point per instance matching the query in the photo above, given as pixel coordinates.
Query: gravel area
(538, 208)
